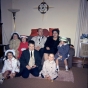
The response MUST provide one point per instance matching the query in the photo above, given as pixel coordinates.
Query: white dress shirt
(10, 65)
(39, 41)
(32, 59)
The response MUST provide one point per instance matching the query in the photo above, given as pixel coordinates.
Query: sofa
(49, 33)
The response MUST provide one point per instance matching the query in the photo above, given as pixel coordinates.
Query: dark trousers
(26, 72)
(41, 51)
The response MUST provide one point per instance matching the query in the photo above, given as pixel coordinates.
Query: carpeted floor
(80, 81)
(62, 76)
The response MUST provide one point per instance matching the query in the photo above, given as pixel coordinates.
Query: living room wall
(64, 16)
(6, 19)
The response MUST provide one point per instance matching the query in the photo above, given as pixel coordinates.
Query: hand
(60, 57)
(34, 66)
(37, 48)
(28, 67)
(47, 48)
(47, 77)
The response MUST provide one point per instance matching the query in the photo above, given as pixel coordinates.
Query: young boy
(62, 53)
(49, 69)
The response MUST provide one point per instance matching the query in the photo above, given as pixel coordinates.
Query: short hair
(31, 42)
(57, 30)
(39, 29)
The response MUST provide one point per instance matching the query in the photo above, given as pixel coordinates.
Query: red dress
(22, 47)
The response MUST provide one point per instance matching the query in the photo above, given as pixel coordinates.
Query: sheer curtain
(82, 24)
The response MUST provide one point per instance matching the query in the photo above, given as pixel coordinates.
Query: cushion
(45, 32)
(50, 31)
(33, 32)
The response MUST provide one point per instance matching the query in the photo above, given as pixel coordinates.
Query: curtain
(82, 24)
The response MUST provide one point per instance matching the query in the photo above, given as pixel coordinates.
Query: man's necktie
(39, 40)
(31, 53)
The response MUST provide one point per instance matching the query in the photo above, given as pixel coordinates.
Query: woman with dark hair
(15, 42)
(51, 44)
(10, 67)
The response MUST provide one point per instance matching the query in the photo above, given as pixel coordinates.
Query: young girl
(10, 67)
(49, 69)
(23, 45)
(62, 53)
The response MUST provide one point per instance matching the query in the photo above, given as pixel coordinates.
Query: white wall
(6, 20)
(63, 15)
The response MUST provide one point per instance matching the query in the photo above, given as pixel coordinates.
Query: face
(9, 55)
(55, 34)
(31, 47)
(24, 39)
(62, 42)
(51, 57)
(40, 32)
(15, 36)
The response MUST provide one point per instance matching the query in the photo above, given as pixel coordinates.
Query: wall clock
(43, 7)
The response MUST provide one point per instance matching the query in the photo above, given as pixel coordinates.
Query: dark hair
(26, 39)
(38, 29)
(31, 42)
(57, 30)
(13, 35)
(8, 53)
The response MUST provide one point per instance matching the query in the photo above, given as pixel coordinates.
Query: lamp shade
(14, 10)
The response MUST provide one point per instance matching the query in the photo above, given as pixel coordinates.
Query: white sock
(66, 67)
(57, 67)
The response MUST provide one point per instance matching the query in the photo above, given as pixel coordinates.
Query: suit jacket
(25, 57)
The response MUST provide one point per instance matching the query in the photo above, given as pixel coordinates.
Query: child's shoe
(57, 70)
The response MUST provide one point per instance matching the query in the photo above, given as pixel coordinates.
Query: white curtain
(82, 24)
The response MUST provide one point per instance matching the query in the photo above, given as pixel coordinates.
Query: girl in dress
(10, 67)
(49, 69)
(23, 45)
(62, 53)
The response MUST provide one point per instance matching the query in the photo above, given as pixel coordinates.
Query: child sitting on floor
(49, 69)
(10, 67)
(62, 53)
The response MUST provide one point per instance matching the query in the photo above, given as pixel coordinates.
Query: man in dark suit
(30, 61)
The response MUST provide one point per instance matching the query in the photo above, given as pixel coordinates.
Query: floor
(80, 81)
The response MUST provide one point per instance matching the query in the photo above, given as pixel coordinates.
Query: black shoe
(57, 70)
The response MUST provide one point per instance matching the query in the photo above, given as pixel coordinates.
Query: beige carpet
(62, 76)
